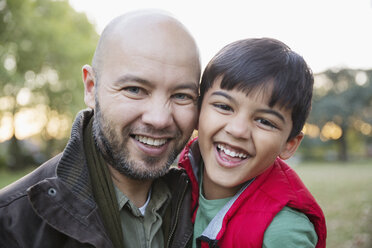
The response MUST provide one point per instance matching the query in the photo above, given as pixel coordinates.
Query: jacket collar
(72, 168)
(65, 201)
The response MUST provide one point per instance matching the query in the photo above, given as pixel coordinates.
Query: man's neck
(136, 190)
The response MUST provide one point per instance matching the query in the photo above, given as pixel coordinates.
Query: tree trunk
(342, 142)
(17, 157)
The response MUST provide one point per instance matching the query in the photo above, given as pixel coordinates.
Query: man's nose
(158, 114)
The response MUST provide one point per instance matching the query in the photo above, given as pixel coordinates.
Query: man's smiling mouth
(150, 141)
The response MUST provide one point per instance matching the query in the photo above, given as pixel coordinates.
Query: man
(111, 186)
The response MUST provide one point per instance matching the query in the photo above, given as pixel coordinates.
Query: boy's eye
(223, 107)
(266, 123)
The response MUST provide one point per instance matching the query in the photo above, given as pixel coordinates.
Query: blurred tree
(43, 45)
(343, 102)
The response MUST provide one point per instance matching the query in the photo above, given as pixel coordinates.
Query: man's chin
(142, 170)
(145, 174)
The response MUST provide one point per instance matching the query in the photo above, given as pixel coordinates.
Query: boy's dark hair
(252, 64)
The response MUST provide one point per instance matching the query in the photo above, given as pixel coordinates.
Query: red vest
(258, 204)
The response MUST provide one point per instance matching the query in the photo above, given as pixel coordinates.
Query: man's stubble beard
(116, 154)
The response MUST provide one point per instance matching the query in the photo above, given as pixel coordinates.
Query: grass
(344, 193)
(7, 177)
(342, 190)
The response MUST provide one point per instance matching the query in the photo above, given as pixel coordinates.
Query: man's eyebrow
(273, 112)
(192, 86)
(132, 78)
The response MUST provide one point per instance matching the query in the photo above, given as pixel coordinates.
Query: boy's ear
(89, 86)
(291, 147)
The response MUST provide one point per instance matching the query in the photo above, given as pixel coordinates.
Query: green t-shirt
(289, 227)
(206, 212)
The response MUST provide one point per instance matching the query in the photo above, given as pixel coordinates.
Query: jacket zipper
(177, 212)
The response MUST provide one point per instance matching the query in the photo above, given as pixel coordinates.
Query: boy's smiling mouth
(231, 152)
(228, 156)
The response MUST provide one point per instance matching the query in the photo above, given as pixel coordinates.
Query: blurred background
(44, 44)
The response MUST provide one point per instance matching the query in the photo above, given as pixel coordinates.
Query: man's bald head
(149, 31)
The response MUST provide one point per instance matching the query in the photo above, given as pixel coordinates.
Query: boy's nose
(238, 127)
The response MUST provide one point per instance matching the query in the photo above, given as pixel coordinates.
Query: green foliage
(343, 97)
(41, 35)
(43, 46)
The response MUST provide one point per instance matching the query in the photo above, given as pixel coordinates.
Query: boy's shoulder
(281, 178)
(290, 228)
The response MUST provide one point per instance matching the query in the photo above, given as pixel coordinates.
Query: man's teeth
(150, 141)
(231, 153)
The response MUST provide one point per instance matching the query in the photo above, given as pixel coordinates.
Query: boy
(255, 96)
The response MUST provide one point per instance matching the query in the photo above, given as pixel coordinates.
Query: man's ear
(291, 147)
(89, 86)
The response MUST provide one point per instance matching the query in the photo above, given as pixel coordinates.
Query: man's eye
(133, 89)
(181, 96)
(222, 106)
(266, 123)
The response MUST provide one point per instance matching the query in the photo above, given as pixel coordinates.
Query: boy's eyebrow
(267, 111)
(273, 112)
(221, 93)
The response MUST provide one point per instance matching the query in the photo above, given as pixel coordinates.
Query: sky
(327, 33)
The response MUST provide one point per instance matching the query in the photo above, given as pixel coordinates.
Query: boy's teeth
(150, 141)
(231, 153)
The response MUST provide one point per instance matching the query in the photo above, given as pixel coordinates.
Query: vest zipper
(177, 212)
